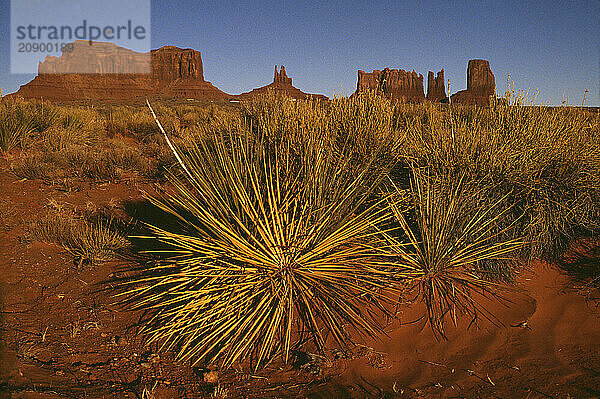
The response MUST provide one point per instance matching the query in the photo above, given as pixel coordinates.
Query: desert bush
(72, 126)
(90, 243)
(444, 245)
(110, 162)
(364, 125)
(546, 161)
(13, 132)
(359, 130)
(276, 244)
(16, 125)
(39, 115)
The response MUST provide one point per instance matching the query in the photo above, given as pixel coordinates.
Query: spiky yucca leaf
(13, 131)
(441, 244)
(275, 248)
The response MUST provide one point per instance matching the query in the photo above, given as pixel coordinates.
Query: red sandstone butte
(393, 83)
(111, 73)
(481, 85)
(436, 90)
(282, 84)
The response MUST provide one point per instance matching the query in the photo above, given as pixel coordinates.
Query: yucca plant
(275, 246)
(13, 133)
(14, 127)
(37, 114)
(443, 241)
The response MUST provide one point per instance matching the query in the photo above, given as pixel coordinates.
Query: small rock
(146, 365)
(154, 358)
(212, 377)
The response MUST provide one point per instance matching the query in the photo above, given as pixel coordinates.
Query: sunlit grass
(277, 246)
(444, 236)
(300, 219)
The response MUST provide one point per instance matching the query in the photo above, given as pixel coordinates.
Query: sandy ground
(62, 336)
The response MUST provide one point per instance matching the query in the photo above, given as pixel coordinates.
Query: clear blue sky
(546, 45)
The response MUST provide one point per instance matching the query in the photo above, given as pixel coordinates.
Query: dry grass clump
(39, 115)
(545, 160)
(111, 162)
(13, 133)
(48, 166)
(359, 130)
(16, 125)
(445, 243)
(277, 246)
(73, 127)
(90, 243)
(365, 126)
(31, 123)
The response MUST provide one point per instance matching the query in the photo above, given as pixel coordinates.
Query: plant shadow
(582, 264)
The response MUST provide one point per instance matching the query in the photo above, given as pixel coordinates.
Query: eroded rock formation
(436, 90)
(282, 84)
(481, 85)
(393, 83)
(104, 71)
(171, 63)
(281, 77)
(96, 58)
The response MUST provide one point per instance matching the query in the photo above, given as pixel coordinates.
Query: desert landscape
(405, 247)
(162, 238)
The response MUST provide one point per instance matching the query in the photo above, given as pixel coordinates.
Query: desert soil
(63, 336)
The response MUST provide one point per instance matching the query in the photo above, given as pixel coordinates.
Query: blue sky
(545, 45)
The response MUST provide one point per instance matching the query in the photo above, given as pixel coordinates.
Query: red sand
(557, 356)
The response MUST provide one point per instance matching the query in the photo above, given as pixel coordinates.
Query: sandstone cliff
(436, 90)
(481, 85)
(104, 71)
(393, 83)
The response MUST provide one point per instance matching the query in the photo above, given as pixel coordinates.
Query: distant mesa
(105, 71)
(393, 83)
(282, 84)
(96, 58)
(406, 86)
(481, 85)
